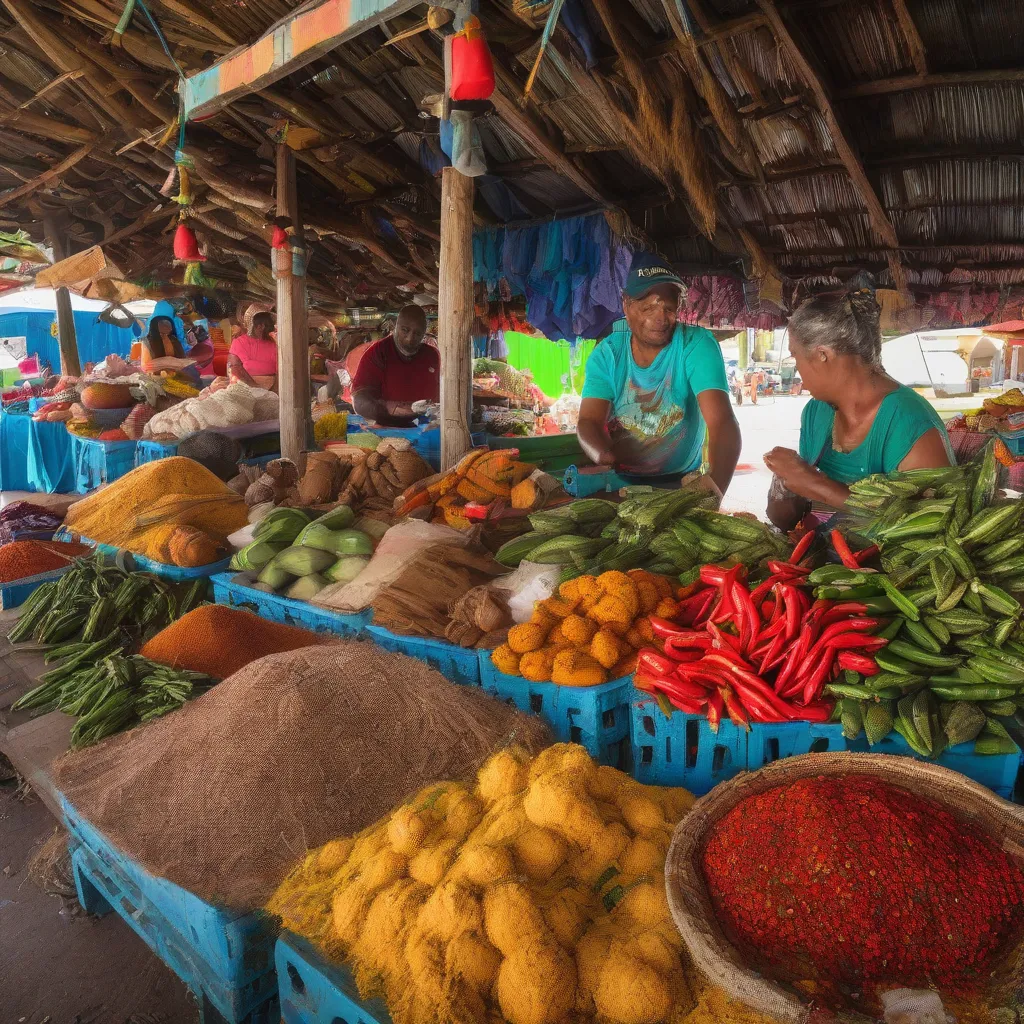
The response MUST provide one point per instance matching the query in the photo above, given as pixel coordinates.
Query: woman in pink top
(253, 357)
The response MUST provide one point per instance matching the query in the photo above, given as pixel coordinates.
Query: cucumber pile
(952, 555)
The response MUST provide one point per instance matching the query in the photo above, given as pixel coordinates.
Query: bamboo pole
(455, 314)
(292, 334)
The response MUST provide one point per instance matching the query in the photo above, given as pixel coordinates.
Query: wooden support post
(67, 336)
(455, 314)
(292, 332)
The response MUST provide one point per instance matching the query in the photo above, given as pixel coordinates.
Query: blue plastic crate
(236, 944)
(426, 441)
(100, 462)
(174, 573)
(772, 742)
(151, 451)
(287, 610)
(314, 991)
(1014, 441)
(596, 717)
(997, 772)
(682, 750)
(101, 888)
(457, 664)
(17, 593)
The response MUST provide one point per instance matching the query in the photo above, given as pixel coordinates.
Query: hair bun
(864, 306)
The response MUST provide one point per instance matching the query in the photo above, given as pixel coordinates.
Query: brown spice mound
(226, 795)
(219, 641)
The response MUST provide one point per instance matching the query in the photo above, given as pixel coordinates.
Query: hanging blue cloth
(575, 21)
(571, 272)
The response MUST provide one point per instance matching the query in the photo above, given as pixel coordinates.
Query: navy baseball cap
(648, 271)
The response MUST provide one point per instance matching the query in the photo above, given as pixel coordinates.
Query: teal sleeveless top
(902, 418)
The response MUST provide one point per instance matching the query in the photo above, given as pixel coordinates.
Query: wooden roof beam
(844, 149)
(913, 38)
(294, 43)
(905, 83)
(48, 175)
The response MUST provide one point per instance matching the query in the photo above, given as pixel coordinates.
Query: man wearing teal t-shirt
(655, 387)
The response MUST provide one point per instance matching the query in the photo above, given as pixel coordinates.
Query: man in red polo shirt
(397, 371)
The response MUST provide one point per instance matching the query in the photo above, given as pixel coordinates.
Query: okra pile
(89, 620)
(952, 560)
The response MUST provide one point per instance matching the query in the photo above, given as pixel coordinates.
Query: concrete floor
(59, 966)
(769, 424)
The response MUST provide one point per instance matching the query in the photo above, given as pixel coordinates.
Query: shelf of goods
(100, 462)
(226, 958)
(596, 717)
(287, 610)
(313, 991)
(130, 560)
(17, 592)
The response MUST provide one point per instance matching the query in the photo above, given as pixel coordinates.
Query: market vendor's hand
(795, 474)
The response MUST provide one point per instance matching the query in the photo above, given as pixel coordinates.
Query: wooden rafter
(905, 83)
(48, 175)
(876, 212)
(913, 38)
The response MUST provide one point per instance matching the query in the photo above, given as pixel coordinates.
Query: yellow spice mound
(142, 511)
(536, 897)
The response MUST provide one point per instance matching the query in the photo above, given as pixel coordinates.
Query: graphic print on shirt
(651, 423)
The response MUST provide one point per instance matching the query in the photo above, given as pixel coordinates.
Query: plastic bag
(400, 545)
(467, 149)
(914, 1006)
(530, 583)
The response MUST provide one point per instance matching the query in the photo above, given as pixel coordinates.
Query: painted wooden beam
(284, 49)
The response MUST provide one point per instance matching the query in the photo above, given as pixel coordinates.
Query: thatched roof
(789, 141)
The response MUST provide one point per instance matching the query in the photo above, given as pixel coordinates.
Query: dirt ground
(58, 966)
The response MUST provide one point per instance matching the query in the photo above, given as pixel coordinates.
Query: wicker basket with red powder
(24, 558)
(821, 881)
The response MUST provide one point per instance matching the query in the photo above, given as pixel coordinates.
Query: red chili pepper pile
(850, 882)
(774, 667)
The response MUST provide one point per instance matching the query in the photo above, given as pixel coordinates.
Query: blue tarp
(96, 340)
(35, 456)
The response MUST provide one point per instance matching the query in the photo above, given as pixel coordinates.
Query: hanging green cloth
(549, 362)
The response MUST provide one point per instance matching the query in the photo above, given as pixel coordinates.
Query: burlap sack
(226, 795)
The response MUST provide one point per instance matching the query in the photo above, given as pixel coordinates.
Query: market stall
(629, 628)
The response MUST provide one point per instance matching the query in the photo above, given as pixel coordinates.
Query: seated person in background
(397, 371)
(253, 358)
(160, 342)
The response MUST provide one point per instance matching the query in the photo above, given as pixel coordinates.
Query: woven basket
(690, 901)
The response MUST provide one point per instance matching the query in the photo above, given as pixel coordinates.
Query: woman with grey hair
(860, 421)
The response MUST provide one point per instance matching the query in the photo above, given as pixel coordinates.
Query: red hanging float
(472, 75)
(186, 245)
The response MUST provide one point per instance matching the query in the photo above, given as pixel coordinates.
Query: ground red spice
(219, 641)
(850, 883)
(23, 558)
